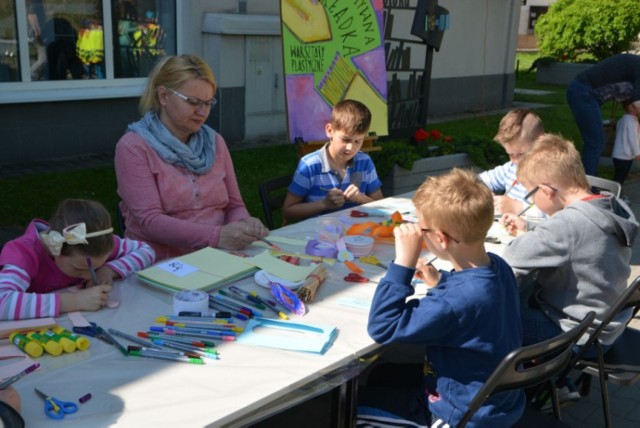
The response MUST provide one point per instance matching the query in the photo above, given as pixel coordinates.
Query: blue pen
(181, 340)
(212, 327)
(187, 348)
(202, 331)
(243, 298)
(92, 271)
(234, 313)
(169, 331)
(246, 295)
(230, 303)
(132, 338)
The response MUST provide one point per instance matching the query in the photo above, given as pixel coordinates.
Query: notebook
(204, 270)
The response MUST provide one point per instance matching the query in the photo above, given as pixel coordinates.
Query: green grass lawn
(36, 196)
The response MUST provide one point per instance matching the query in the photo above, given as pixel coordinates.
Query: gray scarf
(198, 155)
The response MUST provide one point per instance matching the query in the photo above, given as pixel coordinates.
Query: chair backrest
(529, 366)
(604, 184)
(120, 221)
(627, 300)
(272, 194)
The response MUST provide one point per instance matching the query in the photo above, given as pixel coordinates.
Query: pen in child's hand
(510, 188)
(92, 271)
(524, 210)
(430, 261)
(269, 243)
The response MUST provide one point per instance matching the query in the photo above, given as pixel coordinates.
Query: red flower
(420, 135)
(447, 139)
(435, 134)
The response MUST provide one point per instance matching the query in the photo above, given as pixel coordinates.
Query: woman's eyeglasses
(427, 230)
(194, 102)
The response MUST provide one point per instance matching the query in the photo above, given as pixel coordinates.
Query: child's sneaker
(566, 395)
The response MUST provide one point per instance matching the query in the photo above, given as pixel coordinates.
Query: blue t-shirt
(314, 177)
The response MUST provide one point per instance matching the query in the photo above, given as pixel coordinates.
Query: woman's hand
(513, 224)
(240, 234)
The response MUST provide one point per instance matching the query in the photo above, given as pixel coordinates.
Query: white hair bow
(72, 235)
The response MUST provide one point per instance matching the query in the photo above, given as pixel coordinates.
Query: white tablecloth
(139, 392)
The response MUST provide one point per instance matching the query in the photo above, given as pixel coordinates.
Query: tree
(600, 27)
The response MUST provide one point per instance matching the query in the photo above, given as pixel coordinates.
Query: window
(84, 39)
(143, 32)
(9, 66)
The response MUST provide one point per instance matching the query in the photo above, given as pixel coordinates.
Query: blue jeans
(585, 106)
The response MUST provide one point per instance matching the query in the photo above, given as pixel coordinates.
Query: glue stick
(82, 343)
(67, 345)
(27, 345)
(50, 346)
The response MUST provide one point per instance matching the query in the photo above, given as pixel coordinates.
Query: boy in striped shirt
(338, 175)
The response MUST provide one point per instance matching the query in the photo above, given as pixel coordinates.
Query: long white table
(245, 385)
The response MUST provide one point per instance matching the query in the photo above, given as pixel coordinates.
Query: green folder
(204, 270)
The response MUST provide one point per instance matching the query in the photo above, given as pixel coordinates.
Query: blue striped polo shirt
(314, 176)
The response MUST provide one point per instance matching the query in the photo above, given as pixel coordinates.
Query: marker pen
(133, 339)
(179, 358)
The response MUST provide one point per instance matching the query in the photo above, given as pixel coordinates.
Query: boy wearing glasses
(470, 318)
(517, 132)
(338, 175)
(579, 256)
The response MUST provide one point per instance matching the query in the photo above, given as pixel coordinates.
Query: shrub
(483, 153)
(601, 27)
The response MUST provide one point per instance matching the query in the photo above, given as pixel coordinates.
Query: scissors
(54, 408)
(94, 330)
(358, 213)
(355, 277)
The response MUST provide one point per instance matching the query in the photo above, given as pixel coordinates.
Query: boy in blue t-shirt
(338, 175)
(469, 319)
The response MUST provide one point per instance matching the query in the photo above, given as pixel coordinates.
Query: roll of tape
(190, 301)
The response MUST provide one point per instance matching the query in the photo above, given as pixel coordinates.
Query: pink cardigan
(172, 209)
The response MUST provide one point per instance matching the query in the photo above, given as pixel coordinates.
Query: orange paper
(353, 267)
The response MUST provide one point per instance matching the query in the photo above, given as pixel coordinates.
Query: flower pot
(400, 180)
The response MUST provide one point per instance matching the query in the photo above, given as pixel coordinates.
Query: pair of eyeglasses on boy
(427, 230)
(194, 102)
(529, 196)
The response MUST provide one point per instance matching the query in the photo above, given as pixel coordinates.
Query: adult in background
(618, 78)
(175, 176)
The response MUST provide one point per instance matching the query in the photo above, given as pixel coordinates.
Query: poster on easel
(332, 50)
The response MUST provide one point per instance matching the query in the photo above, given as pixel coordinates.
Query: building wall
(472, 72)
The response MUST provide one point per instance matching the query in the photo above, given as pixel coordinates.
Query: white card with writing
(177, 268)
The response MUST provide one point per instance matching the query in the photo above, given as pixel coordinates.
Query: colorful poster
(332, 50)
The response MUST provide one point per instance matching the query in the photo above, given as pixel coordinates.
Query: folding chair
(272, 194)
(528, 367)
(621, 363)
(600, 184)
